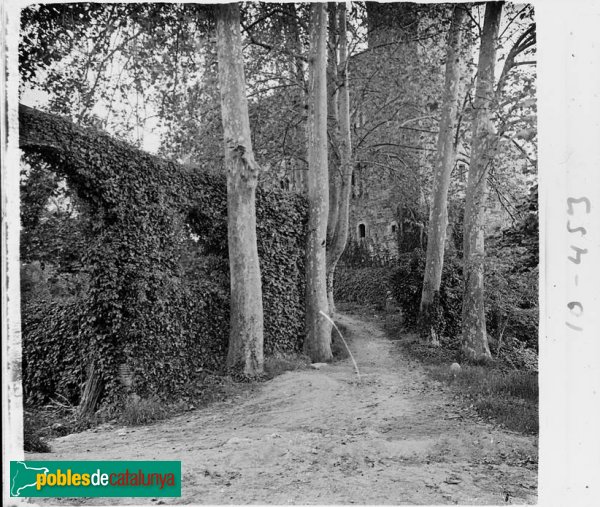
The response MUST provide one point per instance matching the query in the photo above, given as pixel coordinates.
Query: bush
(32, 438)
(511, 299)
(407, 286)
(366, 286)
(512, 278)
(363, 254)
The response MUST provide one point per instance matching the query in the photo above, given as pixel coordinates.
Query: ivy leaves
(154, 246)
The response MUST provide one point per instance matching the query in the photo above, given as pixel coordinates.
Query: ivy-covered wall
(156, 257)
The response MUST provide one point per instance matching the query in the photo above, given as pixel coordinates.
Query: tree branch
(270, 47)
(524, 42)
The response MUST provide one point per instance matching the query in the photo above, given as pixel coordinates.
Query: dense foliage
(407, 285)
(155, 255)
(524, 236)
(513, 276)
(511, 283)
(511, 299)
(368, 285)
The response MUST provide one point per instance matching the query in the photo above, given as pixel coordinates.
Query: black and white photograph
(303, 249)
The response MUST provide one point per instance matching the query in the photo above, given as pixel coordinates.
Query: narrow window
(362, 231)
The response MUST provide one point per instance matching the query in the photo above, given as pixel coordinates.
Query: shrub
(32, 438)
(407, 284)
(363, 254)
(511, 299)
(366, 286)
(512, 277)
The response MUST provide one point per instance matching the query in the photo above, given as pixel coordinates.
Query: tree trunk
(91, 393)
(318, 329)
(446, 155)
(298, 94)
(339, 235)
(246, 313)
(475, 343)
(333, 125)
(295, 46)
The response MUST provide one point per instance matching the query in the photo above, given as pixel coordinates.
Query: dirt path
(320, 437)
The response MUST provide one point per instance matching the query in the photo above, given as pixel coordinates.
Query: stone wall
(374, 205)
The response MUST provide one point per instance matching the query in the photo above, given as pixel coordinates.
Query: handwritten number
(575, 304)
(572, 200)
(579, 251)
(576, 307)
(582, 230)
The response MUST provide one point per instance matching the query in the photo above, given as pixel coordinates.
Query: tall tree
(475, 342)
(246, 335)
(338, 235)
(446, 155)
(333, 121)
(318, 329)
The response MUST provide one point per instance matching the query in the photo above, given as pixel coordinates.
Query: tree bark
(333, 123)
(446, 155)
(318, 329)
(91, 393)
(246, 313)
(298, 94)
(339, 234)
(475, 343)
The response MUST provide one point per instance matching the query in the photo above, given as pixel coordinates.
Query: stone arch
(140, 315)
(120, 187)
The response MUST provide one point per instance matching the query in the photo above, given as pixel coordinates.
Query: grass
(280, 362)
(509, 398)
(32, 434)
(145, 411)
(521, 417)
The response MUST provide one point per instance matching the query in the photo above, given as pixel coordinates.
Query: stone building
(396, 83)
(374, 211)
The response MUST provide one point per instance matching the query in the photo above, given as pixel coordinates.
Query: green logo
(95, 478)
